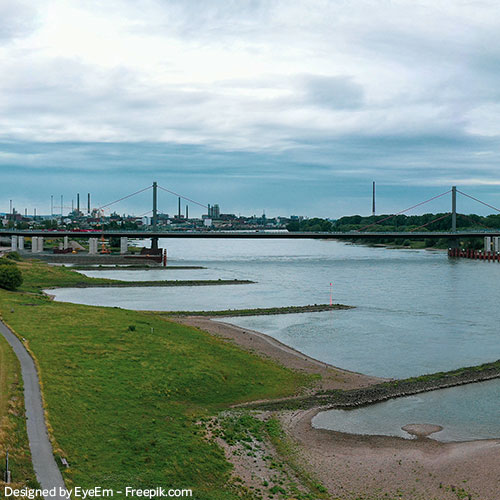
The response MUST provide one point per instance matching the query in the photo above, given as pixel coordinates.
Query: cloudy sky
(288, 107)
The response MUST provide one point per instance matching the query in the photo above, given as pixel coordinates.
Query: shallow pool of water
(466, 413)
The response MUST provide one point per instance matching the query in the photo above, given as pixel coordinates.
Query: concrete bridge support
(496, 244)
(39, 247)
(20, 242)
(487, 243)
(66, 243)
(13, 243)
(123, 244)
(34, 243)
(92, 246)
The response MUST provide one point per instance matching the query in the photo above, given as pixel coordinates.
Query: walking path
(47, 472)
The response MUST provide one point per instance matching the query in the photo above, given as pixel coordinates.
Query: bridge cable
(125, 197)
(183, 197)
(431, 222)
(479, 201)
(406, 210)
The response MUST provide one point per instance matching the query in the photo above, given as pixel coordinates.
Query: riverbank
(142, 284)
(375, 467)
(366, 467)
(129, 267)
(328, 377)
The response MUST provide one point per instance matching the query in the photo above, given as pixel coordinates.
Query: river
(416, 312)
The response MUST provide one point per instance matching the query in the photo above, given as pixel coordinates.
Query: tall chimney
(88, 210)
(373, 199)
(179, 207)
(187, 212)
(78, 203)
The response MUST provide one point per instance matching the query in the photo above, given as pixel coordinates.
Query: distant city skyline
(254, 105)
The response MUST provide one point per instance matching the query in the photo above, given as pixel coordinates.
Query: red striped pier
(474, 254)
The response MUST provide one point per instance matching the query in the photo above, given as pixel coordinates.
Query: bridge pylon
(154, 241)
(454, 242)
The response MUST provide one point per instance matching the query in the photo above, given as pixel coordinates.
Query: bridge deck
(253, 234)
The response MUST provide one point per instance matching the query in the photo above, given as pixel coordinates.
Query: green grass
(13, 435)
(38, 275)
(123, 402)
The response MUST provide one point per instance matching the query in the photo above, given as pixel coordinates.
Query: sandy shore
(264, 345)
(371, 467)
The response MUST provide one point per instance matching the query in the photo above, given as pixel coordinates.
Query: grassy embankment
(124, 390)
(38, 275)
(13, 437)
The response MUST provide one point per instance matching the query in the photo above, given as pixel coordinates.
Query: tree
(10, 277)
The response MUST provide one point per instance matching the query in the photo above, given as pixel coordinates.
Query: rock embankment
(386, 390)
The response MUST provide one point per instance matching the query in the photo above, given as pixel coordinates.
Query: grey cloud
(17, 19)
(336, 92)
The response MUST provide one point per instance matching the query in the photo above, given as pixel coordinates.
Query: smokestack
(88, 210)
(179, 207)
(78, 203)
(187, 212)
(373, 199)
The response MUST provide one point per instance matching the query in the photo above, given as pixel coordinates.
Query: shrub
(13, 256)
(10, 277)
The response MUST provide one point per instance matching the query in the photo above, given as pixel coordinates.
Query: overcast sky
(288, 107)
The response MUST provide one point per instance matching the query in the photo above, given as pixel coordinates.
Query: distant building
(213, 212)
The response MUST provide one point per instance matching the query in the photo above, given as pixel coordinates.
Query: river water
(416, 311)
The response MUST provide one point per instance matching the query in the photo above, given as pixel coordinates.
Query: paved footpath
(46, 470)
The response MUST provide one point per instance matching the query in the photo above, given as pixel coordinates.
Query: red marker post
(331, 303)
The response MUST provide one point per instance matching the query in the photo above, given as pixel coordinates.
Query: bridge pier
(37, 244)
(66, 243)
(123, 245)
(20, 243)
(487, 243)
(13, 243)
(92, 246)
(496, 244)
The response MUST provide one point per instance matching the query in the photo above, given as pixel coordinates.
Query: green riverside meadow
(125, 391)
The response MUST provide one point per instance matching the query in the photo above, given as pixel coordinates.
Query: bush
(10, 277)
(13, 256)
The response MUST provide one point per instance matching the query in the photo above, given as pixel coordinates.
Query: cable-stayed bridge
(369, 232)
